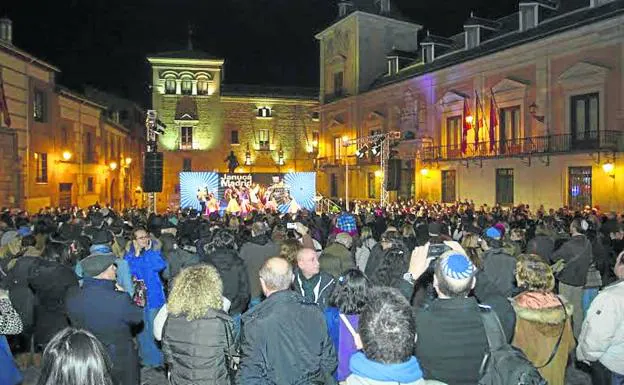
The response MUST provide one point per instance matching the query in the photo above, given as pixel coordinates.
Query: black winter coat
(577, 254)
(543, 246)
(109, 315)
(451, 340)
(194, 350)
(285, 341)
(235, 278)
(50, 285)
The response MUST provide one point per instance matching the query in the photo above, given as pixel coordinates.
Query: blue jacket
(403, 373)
(342, 339)
(147, 267)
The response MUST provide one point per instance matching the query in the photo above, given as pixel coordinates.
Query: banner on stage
(241, 193)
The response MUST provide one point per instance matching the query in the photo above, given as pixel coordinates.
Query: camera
(291, 226)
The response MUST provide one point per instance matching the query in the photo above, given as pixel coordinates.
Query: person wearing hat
(498, 266)
(101, 244)
(451, 341)
(107, 313)
(337, 257)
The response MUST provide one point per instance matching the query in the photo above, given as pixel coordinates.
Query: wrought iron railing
(536, 145)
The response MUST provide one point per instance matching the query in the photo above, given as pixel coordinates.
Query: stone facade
(202, 128)
(563, 90)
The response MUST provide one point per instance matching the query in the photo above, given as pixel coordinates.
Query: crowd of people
(405, 294)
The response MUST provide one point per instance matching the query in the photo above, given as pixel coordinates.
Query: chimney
(344, 8)
(6, 30)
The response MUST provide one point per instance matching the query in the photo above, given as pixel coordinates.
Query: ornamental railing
(588, 141)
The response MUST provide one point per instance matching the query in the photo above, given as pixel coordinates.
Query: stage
(210, 192)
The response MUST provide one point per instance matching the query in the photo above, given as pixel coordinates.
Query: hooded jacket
(147, 267)
(234, 275)
(369, 372)
(322, 289)
(540, 319)
(602, 336)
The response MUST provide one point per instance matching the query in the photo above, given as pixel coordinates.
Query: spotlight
(361, 152)
(376, 150)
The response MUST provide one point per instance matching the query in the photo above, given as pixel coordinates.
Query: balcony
(537, 145)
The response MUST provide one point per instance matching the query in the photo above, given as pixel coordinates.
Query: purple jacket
(342, 340)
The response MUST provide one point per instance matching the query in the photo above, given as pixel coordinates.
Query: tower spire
(189, 45)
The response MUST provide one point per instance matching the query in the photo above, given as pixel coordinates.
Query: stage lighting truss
(376, 150)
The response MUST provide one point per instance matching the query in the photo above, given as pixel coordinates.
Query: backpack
(504, 364)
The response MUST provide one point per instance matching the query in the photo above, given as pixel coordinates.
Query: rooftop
(184, 54)
(569, 15)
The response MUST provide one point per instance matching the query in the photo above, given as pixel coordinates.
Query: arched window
(187, 86)
(170, 86)
(202, 86)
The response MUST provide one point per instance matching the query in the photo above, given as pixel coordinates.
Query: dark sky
(104, 42)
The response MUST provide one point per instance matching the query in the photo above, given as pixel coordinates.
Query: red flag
(4, 109)
(466, 127)
(477, 117)
(493, 121)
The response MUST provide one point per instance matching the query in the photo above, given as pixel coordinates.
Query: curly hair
(289, 249)
(195, 290)
(534, 274)
(350, 294)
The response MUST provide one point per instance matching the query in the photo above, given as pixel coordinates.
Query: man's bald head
(276, 274)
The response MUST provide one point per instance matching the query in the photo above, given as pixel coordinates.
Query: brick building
(551, 111)
(269, 129)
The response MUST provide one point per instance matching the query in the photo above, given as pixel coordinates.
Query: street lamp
(67, 156)
(128, 161)
(424, 171)
(608, 169)
(113, 166)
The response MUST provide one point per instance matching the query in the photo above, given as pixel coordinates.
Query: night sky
(104, 42)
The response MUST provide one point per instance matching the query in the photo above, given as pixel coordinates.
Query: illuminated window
(187, 87)
(202, 87)
(170, 86)
(39, 106)
(41, 159)
(337, 147)
(264, 112)
(263, 139)
(186, 138)
(234, 137)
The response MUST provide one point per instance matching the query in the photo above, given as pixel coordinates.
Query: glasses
(144, 237)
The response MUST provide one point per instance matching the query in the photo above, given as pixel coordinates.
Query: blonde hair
(196, 289)
(289, 249)
(534, 273)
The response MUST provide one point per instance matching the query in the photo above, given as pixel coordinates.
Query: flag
(466, 127)
(4, 109)
(477, 121)
(493, 121)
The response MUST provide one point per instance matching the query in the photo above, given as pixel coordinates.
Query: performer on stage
(231, 196)
(202, 192)
(213, 204)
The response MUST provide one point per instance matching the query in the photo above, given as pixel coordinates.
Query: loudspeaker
(153, 172)
(393, 183)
